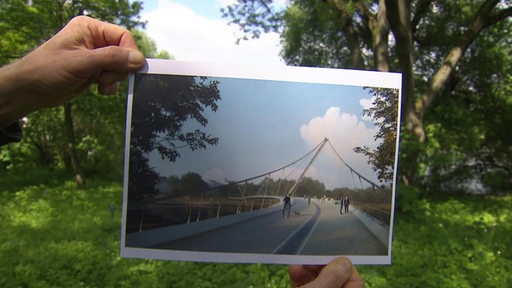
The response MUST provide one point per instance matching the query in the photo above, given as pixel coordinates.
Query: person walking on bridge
(347, 203)
(287, 205)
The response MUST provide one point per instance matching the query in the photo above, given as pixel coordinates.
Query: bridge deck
(316, 229)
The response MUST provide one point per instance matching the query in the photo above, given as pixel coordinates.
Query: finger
(109, 77)
(108, 89)
(334, 275)
(102, 34)
(116, 59)
(355, 280)
(302, 274)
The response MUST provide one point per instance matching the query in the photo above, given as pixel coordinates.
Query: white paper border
(260, 72)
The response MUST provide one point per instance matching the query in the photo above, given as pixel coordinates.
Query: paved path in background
(316, 229)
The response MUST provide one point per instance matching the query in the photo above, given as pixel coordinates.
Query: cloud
(367, 103)
(276, 3)
(345, 132)
(189, 36)
(224, 3)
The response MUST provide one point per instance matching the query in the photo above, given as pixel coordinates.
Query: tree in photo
(143, 179)
(162, 104)
(311, 187)
(191, 184)
(384, 112)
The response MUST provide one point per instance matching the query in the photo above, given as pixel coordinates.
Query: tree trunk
(46, 158)
(71, 148)
(379, 26)
(347, 27)
(381, 39)
(483, 19)
(399, 17)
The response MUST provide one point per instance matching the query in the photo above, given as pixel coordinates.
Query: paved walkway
(316, 229)
(341, 234)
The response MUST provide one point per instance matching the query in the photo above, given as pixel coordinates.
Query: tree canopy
(81, 134)
(160, 108)
(384, 112)
(454, 57)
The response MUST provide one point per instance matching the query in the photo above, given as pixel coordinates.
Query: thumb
(334, 275)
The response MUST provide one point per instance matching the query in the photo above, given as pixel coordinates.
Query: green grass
(54, 235)
(457, 241)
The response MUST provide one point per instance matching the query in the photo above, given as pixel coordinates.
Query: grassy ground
(53, 235)
(450, 241)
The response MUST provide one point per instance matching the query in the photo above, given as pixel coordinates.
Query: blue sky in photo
(263, 125)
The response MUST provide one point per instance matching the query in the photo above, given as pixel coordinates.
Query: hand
(339, 273)
(85, 51)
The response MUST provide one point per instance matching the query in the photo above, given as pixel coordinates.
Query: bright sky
(195, 30)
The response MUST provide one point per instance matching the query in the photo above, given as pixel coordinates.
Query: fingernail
(344, 265)
(135, 58)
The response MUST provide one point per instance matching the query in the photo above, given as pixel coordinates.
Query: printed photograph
(252, 170)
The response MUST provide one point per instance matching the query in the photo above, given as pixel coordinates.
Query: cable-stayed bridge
(313, 154)
(255, 223)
